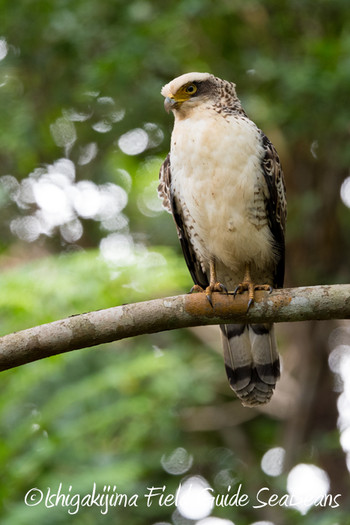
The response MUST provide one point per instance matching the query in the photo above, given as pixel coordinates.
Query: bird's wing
(172, 206)
(276, 205)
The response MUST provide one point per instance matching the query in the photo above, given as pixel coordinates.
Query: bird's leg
(248, 285)
(214, 284)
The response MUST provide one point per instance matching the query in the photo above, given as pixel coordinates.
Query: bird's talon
(196, 289)
(214, 287)
(263, 288)
(208, 296)
(250, 303)
(223, 288)
(237, 290)
(217, 287)
(251, 288)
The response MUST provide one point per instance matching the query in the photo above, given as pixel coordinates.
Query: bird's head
(193, 89)
(188, 90)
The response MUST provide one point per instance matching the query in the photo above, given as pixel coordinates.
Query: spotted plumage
(223, 183)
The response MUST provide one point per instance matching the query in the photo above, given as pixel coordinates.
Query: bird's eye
(191, 89)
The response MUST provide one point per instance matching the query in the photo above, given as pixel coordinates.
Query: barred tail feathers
(251, 361)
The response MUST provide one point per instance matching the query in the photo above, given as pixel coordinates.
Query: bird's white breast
(217, 177)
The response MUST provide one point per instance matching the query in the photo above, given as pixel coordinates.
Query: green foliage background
(109, 415)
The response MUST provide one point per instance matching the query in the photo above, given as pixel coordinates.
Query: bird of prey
(223, 183)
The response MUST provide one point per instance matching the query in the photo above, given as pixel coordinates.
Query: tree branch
(112, 324)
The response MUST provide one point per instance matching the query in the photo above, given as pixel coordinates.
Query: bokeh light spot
(133, 142)
(262, 523)
(194, 500)
(103, 126)
(87, 153)
(345, 192)
(63, 132)
(178, 462)
(273, 460)
(214, 521)
(3, 48)
(307, 483)
(26, 228)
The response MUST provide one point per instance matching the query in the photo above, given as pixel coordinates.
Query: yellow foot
(197, 289)
(251, 288)
(214, 287)
(209, 290)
